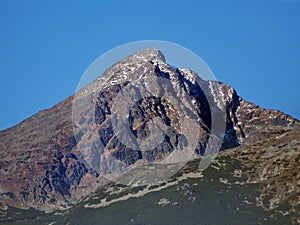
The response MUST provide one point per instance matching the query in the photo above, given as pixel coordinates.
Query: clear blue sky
(45, 46)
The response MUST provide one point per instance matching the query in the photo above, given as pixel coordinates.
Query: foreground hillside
(252, 184)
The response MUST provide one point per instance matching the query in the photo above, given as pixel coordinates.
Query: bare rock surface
(42, 164)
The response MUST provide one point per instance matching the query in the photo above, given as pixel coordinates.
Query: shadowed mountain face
(51, 160)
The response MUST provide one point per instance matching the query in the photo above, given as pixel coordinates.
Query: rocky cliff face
(49, 161)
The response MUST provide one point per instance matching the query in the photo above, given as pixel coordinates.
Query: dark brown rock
(42, 164)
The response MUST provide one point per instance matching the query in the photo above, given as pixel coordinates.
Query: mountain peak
(150, 54)
(145, 55)
(48, 165)
(128, 69)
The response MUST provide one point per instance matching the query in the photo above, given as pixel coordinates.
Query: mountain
(60, 156)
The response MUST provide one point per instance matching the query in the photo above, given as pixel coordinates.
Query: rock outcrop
(50, 160)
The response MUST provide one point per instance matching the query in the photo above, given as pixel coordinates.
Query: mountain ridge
(49, 171)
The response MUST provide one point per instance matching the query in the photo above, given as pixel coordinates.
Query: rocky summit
(140, 112)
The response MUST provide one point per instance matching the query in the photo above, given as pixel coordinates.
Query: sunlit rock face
(49, 162)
